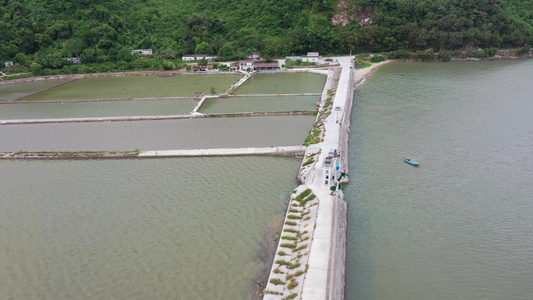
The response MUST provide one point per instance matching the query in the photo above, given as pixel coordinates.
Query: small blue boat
(411, 162)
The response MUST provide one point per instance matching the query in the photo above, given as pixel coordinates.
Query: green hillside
(99, 31)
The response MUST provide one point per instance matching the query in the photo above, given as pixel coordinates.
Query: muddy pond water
(137, 87)
(191, 228)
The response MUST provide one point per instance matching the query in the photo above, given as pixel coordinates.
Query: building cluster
(310, 57)
(252, 63)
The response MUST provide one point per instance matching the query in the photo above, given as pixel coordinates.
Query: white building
(9, 63)
(311, 57)
(255, 55)
(192, 57)
(246, 64)
(75, 60)
(142, 51)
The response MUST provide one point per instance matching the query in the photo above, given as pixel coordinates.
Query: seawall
(317, 212)
(310, 262)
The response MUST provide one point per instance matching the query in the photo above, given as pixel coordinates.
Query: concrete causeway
(316, 270)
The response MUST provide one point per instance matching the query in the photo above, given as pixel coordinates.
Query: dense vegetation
(39, 32)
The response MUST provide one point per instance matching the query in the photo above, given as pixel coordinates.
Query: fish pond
(282, 83)
(120, 87)
(259, 104)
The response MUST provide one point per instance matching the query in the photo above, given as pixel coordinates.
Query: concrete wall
(337, 271)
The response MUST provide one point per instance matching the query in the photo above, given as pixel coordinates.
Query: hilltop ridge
(101, 31)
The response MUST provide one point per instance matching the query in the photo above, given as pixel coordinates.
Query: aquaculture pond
(283, 83)
(46, 110)
(13, 91)
(190, 228)
(157, 135)
(259, 104)
(137, 87)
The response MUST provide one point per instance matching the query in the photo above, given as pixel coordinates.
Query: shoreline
(362, 74)
(168, 73)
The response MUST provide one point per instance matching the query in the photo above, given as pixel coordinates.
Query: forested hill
(107, 30)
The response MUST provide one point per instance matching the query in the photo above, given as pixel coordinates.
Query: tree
(203, 48)
(167, 53)
(226, 50)
(36, 69)
(213, 90)
(168, 65)
(124, 54)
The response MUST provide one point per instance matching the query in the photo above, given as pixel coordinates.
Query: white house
(192, 57)
(246, 64)
(142, 51)
(75, 60)
(9, 63)
(255, 55)
(311, 57)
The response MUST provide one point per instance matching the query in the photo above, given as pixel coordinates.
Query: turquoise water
(458, 226)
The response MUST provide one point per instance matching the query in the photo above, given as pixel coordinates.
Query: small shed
(9, 63)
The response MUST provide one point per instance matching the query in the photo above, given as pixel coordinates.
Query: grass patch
(313, 137)
(276, 281)
(292, 284)
(294, 217)
(290, 238)
(308, 162)
(294, 266)
(292, 296)
(299, 248)
(289, 276)
(290, 223)
(304, 194)
(291, 246)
